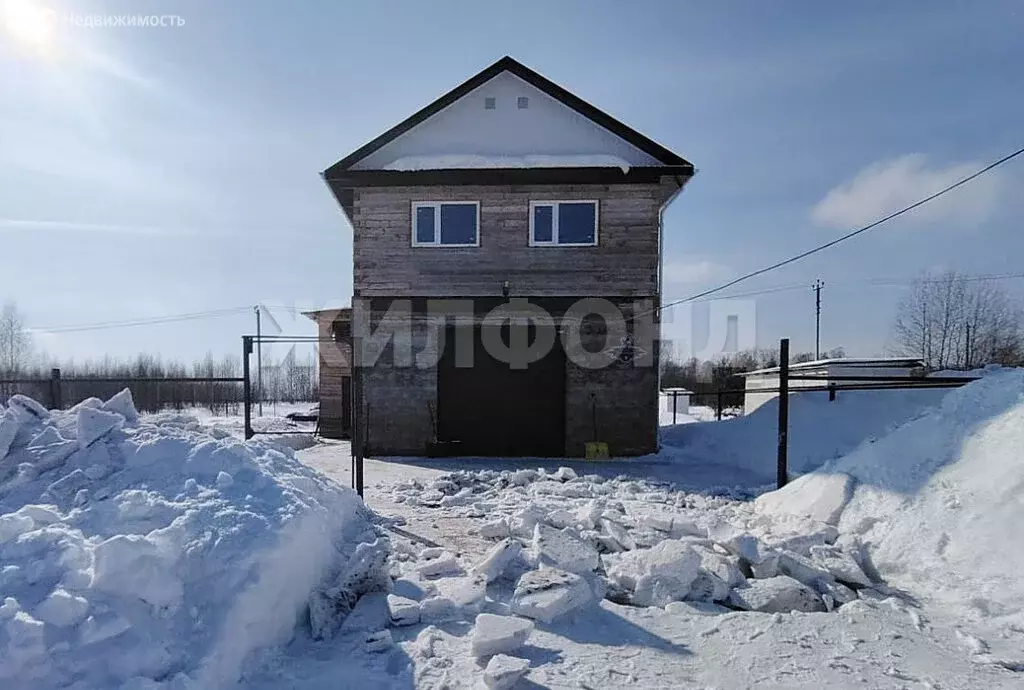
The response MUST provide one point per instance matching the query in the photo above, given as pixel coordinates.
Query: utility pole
(259, 360)
(818, 284)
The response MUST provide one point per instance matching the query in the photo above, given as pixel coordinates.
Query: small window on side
(490, 103)
(563, 223)
(445, 224)
(523, 102)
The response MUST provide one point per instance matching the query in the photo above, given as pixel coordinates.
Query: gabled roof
(668, 159)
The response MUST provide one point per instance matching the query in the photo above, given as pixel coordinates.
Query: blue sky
(155, 171)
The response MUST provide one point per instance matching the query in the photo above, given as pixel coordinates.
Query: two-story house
(508, 236)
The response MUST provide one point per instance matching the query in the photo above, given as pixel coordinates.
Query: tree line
(155, 383)
(948, 320)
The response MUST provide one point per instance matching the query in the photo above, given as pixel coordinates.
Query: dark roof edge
(347, 179)
(552, 89)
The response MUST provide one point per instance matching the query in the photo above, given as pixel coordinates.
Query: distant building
(831, 371)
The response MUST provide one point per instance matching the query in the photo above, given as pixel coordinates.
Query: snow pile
(153, 553)
(567, 541)
(937, 503)
(476, 161)
(819, 430)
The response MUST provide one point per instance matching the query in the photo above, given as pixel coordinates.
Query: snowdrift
(819, 430)
(155, 552)
(939, 502)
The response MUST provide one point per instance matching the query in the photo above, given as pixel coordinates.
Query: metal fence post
(675, 400)
(782, 470)
(718, 403)
(247, 385)
(55, 391)
(831, 391)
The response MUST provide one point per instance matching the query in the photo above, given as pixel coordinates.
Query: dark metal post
(247, 384)
(718, 402)
(360, 320)
(55, 391)
(818, 284)
(831, 391)
(259, 360)
(675, 400)
(782, 470)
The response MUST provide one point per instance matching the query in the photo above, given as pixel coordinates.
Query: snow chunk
(123, 404)
(25, 647)
(131, 564)
(503, 672)
(563, 550)
(802, 569)
(370, 614)
(658, 575)
(62, 609)
(819, 496)
(618, 534)
(496, 529)
(224, 480)
(549, 593)
(9, 608)
(781, 594)
(403, 611)
(94, 424)
(497, 561)
(495, 634)
(9, 426)
(444, 563)
(27, 409)
(841, 565)
(380, 641)
(438, 610)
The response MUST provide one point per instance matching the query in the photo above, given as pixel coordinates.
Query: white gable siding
(546, 127)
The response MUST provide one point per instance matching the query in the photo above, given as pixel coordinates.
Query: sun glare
(28, 23)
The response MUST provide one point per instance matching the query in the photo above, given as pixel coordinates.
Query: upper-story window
(563, 223)
(446, 224)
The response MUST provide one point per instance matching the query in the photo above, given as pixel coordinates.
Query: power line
(151, 321)
(849, 235)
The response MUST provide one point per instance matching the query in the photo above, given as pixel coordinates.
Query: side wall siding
(625, 262)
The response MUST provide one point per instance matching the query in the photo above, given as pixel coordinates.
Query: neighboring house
(831, 371)
(507, 192)
(334, 331)
(674, 402)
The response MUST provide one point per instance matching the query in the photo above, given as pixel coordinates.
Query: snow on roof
(457, 161)
(893, 362)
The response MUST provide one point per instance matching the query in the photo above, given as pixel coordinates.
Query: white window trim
(554, 222)
(437, 223)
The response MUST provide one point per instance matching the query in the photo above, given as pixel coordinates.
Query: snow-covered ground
(156, 552)
(819, 430)
(892, 566)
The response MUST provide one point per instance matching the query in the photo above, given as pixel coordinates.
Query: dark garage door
(492, 409)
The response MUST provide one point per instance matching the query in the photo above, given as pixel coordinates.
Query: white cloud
(64, 225)
(887, 186)
(691, 272)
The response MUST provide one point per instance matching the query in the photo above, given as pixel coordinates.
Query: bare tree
(15, 341)
(951, 321)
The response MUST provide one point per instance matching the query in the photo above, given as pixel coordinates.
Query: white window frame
(554, 203)
(416, 205)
